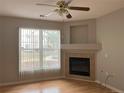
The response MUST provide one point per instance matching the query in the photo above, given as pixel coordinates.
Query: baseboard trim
(30, 81)
(110, 87)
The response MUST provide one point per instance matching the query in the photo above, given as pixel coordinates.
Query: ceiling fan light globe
(69, 16)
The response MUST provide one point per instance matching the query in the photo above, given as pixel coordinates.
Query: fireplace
(79, 66)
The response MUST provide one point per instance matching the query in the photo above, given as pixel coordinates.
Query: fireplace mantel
(81, 46)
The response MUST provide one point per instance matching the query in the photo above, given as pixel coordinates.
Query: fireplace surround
(82, 55)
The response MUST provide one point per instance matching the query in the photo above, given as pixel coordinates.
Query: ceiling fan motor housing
(62, 8)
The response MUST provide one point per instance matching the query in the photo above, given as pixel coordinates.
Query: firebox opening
(79, 66)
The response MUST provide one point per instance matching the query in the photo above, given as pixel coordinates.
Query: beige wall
(1, 50)
(9, 41)
(110, 32)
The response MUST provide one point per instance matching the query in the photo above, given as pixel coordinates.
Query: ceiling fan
(62, 7)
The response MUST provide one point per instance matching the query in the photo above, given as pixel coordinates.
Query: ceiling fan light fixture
(69, 16)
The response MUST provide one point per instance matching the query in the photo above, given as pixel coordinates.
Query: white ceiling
(28, 9)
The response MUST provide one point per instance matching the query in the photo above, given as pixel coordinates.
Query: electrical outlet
(102, 71)
(106, 55)
(112, 74)
(107, 74)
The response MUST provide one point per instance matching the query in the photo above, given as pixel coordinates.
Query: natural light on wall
(39, 50)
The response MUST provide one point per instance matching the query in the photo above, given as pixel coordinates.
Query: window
(39, 50)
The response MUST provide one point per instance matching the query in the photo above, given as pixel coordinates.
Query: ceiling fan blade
(39, 4)
(79, 8)
(47, 14)
(68, 1)
(69, 16)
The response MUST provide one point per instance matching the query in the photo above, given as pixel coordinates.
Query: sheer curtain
(39, 51)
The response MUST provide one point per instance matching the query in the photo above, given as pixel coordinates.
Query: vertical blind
(39, 50)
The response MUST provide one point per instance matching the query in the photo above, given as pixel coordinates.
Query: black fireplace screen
(79, 66)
